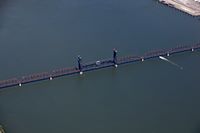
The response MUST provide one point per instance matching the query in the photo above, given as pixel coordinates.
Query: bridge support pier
(168, 54)
(80, 64)
(115, 58)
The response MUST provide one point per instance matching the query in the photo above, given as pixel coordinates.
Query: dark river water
(147, 97)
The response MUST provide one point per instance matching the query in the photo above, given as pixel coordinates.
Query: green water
(147, 97)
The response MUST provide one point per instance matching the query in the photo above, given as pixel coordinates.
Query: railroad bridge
(84, 67)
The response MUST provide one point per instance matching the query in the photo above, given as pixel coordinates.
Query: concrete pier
(191, 7)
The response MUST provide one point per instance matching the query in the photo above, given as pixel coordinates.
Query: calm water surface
(148, 97)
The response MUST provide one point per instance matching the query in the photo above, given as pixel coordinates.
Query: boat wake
(171, 62)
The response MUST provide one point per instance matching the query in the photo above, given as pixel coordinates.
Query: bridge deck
(94, 66)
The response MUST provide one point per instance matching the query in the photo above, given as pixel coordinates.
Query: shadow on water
(197, 128)
(2, 3)
(2, 7)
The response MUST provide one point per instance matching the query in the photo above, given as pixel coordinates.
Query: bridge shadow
(3, 4)
(197, 128)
